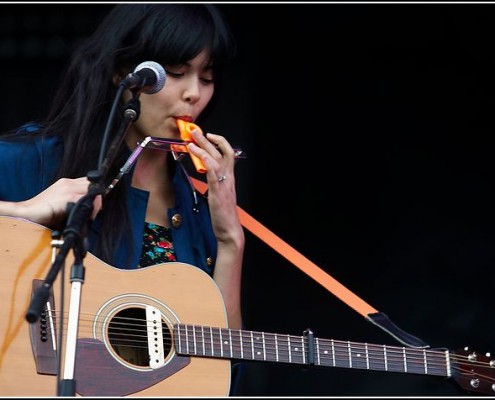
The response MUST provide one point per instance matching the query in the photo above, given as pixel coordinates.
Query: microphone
(148, 76)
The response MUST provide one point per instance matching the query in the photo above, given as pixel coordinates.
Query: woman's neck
(152, 173)
(152, 170)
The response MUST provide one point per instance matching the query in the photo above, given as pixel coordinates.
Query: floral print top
(157, 245)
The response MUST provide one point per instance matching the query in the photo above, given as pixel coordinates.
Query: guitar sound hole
(129, 339)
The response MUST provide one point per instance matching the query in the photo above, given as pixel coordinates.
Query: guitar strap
(304, 264)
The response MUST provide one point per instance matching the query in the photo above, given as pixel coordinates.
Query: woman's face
(188, 89)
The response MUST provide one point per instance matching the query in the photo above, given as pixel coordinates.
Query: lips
(184, 118)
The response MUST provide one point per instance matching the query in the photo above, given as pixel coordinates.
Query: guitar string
(461, 367)
(339, 353)
(297, 339)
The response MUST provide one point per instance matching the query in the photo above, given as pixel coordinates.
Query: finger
(221, 143)
(215, 145)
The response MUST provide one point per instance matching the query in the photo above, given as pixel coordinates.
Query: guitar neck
(260, 346)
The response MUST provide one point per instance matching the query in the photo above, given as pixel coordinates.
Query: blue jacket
(28, 167)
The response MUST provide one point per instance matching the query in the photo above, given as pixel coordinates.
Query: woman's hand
(219, 158)
(49, 207)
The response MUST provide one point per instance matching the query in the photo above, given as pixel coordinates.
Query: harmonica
(179, 146)
(151, 142)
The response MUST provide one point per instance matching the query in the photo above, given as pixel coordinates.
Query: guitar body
(28, 360)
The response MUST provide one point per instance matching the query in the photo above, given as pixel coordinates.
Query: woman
(150, 216)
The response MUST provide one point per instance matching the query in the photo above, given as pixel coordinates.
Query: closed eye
(174, 74)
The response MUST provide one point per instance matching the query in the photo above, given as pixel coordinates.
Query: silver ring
(222, 178)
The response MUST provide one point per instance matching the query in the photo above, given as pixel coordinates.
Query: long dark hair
(128, 35)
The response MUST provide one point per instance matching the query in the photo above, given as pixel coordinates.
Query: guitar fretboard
(261, 346)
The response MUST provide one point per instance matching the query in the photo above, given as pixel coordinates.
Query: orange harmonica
(185, 129)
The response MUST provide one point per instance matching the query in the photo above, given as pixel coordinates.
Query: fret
(177, 339)
(358, 355)
(447, 366)
(296, 350)
(258, 346)
(270, 353)
(180, 344)
(252, 345)
(214, 343)
(276, 349)
(226, 343)
(264, 347)
(187, 340)
(211, 341)
(236, 344)
(341, 354)
(425, 362)
(317, 349)
(220, 341)
(414, 361)
(194, 339)
(247, 345)
(289, 348)
(207, 345)
(409, 360)
(377, 357)
(299, 352)
(433, 362)
(396, 359)
(325, 352)
(349, 350)
(283, 350)
(241, 344)
(303, 350)
(367, 357)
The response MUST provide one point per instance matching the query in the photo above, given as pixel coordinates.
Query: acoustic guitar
(162, 331)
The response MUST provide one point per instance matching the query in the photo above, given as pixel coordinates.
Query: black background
(369, 132)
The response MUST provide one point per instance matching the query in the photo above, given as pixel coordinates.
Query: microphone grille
(159, 71)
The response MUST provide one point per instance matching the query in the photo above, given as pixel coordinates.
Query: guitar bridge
(43, 334)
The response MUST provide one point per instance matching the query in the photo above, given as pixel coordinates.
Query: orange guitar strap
(320, 276)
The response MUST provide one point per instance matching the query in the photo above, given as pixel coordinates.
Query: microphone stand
(75, 237)
(81, 214)
(131, 111)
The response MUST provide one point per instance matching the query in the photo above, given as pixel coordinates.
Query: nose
(192, 91)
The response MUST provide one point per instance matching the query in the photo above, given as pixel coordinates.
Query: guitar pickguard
(99, 374)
